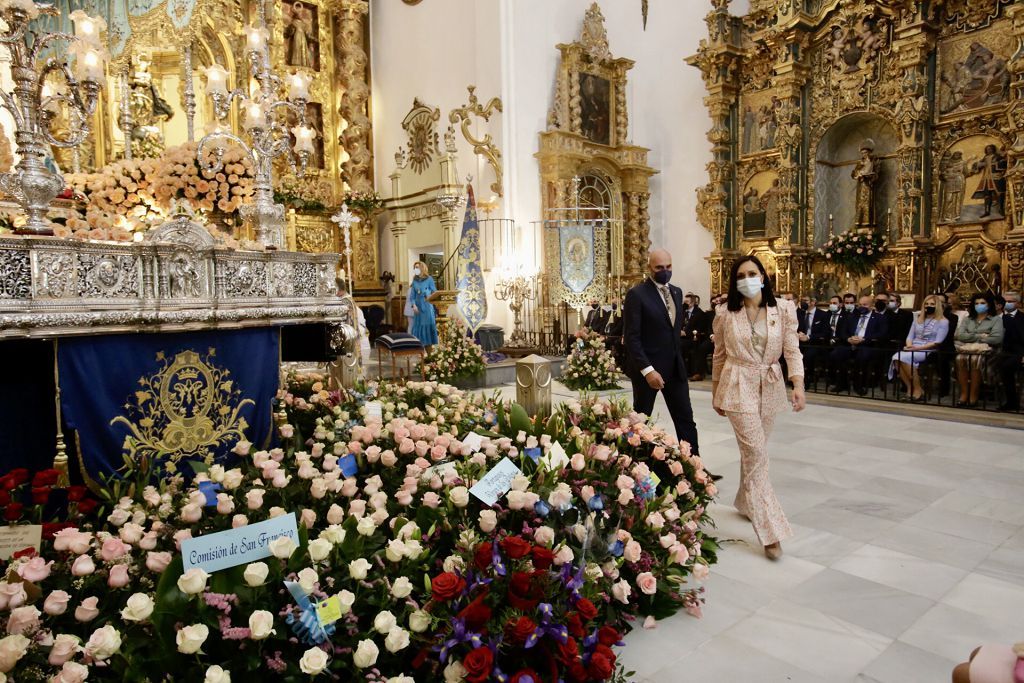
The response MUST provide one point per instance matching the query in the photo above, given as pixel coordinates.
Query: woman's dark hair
(735, 300)
(989, 299)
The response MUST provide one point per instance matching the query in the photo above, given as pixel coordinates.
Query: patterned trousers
(756, 497)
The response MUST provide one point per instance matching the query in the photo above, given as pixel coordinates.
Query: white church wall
(665, 102)
(507, 47)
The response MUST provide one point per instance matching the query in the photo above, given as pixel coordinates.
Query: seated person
(863, 334)
(943, 361)
(977, 336)
(814, 330)
(900, 320)
(1008, 361)
(926, 335)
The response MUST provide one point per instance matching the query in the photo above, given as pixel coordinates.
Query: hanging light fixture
(643, 10)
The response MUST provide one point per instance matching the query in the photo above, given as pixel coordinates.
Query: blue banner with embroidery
(469, 276)
(576, 255)
(166, 397)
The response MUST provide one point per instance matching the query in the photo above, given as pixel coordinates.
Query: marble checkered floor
(909, 552)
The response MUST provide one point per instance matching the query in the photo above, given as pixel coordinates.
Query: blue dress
(424, 323)
(931, 331)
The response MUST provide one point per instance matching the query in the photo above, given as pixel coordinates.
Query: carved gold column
(913, 44)
(719, 59)
(357, 170)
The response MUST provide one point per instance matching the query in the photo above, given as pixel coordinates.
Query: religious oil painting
(301, 31)
(761, 205)
(972, 181)
(759, 122)
(595, 108)
(973, 72)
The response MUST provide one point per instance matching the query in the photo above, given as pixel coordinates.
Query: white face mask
(749, 286)
(415, 271)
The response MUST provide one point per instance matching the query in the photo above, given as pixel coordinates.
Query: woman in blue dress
(424, 320)
(926, 334)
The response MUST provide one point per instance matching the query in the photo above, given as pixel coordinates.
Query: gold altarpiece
(587, 158)
(327, 39)
(804, 95)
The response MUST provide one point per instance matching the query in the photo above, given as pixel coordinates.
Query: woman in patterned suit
(752, 331)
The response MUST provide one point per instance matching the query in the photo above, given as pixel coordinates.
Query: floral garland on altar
(455, 356)
(590, 366)
(855, 252)
(603, 525)
(130, 196)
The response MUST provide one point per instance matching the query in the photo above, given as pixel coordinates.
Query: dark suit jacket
(947, 344)
(1013, 334)
(820, 330)
(900, 322)
(596, 320)
(877, 332)
(699, 322)
(650, 337)
(613, 328)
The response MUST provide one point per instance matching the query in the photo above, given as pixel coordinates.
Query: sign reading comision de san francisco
(233, 547)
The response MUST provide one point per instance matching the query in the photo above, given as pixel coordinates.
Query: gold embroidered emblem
(187, 408)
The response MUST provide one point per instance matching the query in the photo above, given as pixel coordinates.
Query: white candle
(87, 29)
(256, 38)
(304, 136)
(216, 80)
(298, 86)
(90, 66)
(254, 116)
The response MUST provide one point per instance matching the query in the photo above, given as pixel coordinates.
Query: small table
(399, 345)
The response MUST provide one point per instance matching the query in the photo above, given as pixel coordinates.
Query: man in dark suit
(696, 328)
(613, 334)
(814, 331)
(654, 354)
(862, 335)
(1009, 359)
(596, 318)
(947, 349)
(900, 320)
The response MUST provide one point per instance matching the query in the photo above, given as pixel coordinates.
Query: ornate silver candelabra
(34, 105)
(345, 219)
(264, 122)
(516, 290)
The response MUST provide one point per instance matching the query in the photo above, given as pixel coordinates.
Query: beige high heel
(773, 551)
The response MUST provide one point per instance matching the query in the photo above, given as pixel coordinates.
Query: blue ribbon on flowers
(307, 626)
(646, 489)
(557, 631)
(459, 635)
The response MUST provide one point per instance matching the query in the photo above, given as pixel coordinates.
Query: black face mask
(593, 306)
(929, 310)
(686, 306)
(880, 305)
(863, 310)
(804, 305)
(615, 306)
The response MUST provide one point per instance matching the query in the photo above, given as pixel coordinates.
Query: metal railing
(942, 378)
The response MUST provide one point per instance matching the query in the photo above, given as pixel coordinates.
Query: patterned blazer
(747, 383)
